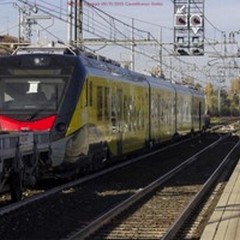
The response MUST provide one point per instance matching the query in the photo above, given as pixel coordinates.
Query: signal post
(189, 27)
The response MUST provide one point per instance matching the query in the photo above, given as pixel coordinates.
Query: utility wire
(102, 32)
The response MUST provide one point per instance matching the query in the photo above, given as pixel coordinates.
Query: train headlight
(61, 127)
(41, 61)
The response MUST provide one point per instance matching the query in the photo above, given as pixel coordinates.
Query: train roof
(196, 92)
(94, 65)
(109, 69)
(160, 83)
(100, 65)
(182, 89)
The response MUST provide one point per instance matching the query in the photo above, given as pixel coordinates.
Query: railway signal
(181, 20)
(196, 20)
(197, 52)
(182, 52)
(189, 27)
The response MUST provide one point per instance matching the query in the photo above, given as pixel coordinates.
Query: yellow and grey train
(94, 109)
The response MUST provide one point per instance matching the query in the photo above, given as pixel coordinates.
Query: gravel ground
(60, 214)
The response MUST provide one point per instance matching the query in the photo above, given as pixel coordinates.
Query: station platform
(224, 223)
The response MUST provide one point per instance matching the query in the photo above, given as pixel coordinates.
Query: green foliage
(229, 100)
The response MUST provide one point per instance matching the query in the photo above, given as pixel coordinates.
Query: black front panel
(32, 86)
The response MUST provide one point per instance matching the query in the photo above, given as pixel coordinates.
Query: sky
(222, 14)
(155, 16)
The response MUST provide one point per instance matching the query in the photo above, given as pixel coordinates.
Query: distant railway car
(198, 109)
(95, 110)
(162, 110)
(184, 109)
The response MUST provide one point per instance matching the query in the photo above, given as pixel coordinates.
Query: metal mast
(70, 22)
(75, 22)
(78, 31)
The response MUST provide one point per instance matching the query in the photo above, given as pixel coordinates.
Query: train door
(176, 112)
(117, 119)
(200, 115)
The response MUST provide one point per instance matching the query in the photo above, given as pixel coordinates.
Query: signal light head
(197, 52)
(196, 20)
(181, 20)
(182, 52)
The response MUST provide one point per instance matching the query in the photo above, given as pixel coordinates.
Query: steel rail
(178, 224)
(17, 205)
(108, 216)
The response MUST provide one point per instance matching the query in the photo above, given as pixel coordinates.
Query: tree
(235, 86)
(234, 96)
(211, 99)
(156, 71)
(225, 103)
(198, 86)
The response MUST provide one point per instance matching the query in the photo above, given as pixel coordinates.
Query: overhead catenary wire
(95, 27)
(149, 35)
(119, 33)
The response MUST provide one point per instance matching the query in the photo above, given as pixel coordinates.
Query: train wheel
(16, 187)
(175, 137)
(96, 162)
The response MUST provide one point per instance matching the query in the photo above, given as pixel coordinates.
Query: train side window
(90, 94)
(130, 106)
(143, 113)
(199, 108)
(86, 92)
(99, 103)
(159, 110)
(119, 103)
(113, 112)
(106, 103)
(125, 108)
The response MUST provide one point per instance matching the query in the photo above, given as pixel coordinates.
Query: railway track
(49, 185)
(163, 212)
(5, 198)
(59, 212)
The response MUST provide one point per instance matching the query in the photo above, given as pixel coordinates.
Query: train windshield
(31, 89)
(31, 93)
